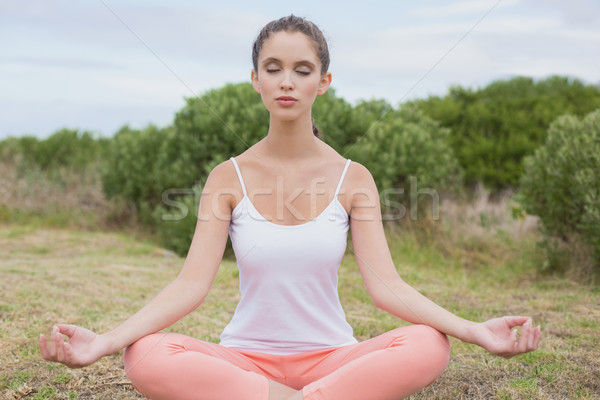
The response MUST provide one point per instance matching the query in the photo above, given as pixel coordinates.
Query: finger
(51, 348)
(526, 334)
(67, 329)
(513, 321)
(534, 339)
(43, 347)
(68, 350)
(531, 339)
(58, 342)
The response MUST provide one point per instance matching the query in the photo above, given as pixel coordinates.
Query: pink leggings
(390, 366)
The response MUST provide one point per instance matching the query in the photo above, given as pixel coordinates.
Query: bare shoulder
(221, 174)
(359, 188)
(223, 181)
(358, 179)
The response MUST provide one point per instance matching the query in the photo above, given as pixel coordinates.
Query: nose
(286, 82)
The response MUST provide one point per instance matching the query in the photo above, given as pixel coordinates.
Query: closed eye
(303, 72)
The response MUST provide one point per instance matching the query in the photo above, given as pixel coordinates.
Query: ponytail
(316, 130)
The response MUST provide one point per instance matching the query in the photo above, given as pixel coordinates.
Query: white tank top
(288, 280)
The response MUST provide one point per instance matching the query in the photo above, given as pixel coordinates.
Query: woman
(287, 202)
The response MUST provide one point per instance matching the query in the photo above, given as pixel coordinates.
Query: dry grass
(485, 213)
(61, 197)
(97, 279)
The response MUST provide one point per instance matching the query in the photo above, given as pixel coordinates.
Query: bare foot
(296, 396)
(277, 391)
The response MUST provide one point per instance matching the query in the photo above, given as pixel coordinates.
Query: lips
(286, 101)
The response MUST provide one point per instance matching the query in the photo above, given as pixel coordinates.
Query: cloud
(61, 62)
(416, 59)
(80, 61)
(574, 13)
(144, 90)
(126, 29)
(459, 8)
(45, 117)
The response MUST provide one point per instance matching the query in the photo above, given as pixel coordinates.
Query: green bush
(366, 115)
(406, 148)
(561, 182)
(70, 148)
(19, 150)
(494, 128)
(209, 129)
(175, 220)
(131, 170)
(158, 170)
(65, 148)
(340, 123)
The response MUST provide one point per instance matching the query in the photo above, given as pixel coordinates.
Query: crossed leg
(391, 366)
(388, 367)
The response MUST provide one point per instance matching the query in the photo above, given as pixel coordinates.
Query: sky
(97, 65)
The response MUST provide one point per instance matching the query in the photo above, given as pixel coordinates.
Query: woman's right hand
(84, 347)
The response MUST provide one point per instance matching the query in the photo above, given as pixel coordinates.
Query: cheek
(267, 85)
(310, 88)
(267, 91)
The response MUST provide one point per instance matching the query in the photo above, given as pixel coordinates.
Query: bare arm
(180, 297)
(390, 293)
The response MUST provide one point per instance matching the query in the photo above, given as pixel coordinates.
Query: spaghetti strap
(239, 174)
(342, 178)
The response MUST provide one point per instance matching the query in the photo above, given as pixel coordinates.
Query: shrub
(21, 150)
(69, 148)
(145, 165)
(561, 182)
(494, 128)
(407, 147)
(342, 124)
(131, 170)
(366, 115)
(65, 148)
(176, 220)
(209, 129)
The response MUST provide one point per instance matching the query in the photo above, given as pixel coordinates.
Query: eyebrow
(302, 62)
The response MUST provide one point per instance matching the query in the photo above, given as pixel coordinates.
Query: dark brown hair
(293, 24)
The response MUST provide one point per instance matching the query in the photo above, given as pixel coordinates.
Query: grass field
(97, 279)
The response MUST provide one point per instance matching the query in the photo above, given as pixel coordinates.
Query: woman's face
(289, 75)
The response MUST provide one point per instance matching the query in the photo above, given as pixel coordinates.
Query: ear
(254, 78)
(324, 84)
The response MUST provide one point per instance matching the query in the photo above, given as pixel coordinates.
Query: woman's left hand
(499, 336)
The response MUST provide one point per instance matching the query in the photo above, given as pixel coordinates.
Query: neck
(291, 140)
